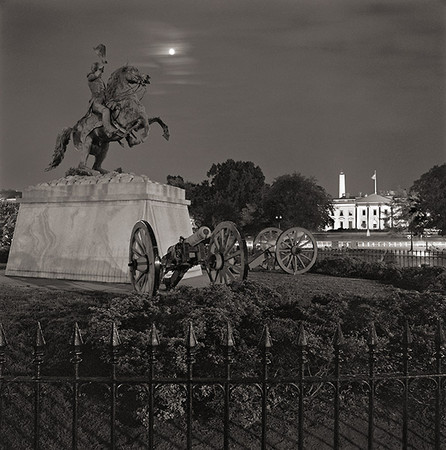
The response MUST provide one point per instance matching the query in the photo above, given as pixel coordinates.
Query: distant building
(369, 212)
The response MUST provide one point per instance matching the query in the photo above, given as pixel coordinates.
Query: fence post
(371, 342)
(76, 344)
(38, 360)
(266, 360)
(154, 342)
(302, 350)
(338, 343)
(115, 342)
(439, 343)
(191, 343)
(3, 344)
(229, 346)
(407, 344)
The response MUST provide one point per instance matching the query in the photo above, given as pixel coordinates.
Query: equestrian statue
(115, 114)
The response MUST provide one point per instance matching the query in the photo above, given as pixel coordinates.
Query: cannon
(222, 253)
(293, 250)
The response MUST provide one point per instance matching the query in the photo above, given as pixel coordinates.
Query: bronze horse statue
(128, 116)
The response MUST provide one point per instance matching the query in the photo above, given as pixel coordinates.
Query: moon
(172, 51)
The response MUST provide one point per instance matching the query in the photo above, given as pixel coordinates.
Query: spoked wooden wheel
(265, 242)
(228, 255)
(144, 261)
(296, 250)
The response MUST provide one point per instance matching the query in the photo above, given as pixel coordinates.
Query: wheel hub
(216, 261)
(295, 250)
(141, 264)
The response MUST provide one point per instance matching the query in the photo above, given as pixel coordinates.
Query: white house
(371, 212)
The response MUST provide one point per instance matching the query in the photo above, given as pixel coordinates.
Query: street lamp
(279, 218)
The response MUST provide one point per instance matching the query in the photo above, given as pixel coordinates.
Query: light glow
(172, 51)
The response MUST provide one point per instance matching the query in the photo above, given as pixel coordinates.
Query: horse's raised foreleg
(165, 128)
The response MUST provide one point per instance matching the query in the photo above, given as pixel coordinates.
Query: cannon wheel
(265, 242)
(144, 261)
(296, 250)
(228, 255)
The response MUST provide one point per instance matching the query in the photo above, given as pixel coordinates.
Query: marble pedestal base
(78, 228)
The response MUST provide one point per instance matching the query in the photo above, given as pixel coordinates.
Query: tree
(237, 188)
(428, 201)
(299, 201)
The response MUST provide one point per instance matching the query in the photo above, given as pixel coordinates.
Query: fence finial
(154, 339)
(115, 340)
(76, 340)
(40, 340)
(439, 333)
(191, 339)
(266, 337)
(3, 340)
(302, 337)
(372, 337)
(407, 335)
(338, 338)
(229, 336)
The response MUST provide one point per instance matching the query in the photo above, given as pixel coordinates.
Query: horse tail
(61, 145)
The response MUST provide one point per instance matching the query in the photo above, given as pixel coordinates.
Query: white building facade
(371, 212)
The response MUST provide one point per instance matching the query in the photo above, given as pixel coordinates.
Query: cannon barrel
(200, 235)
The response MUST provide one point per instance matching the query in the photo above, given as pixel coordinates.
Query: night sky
(309, 86)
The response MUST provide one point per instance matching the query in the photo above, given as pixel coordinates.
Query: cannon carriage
(222, 253)
(293, 250)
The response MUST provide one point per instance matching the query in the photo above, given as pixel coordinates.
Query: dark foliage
(8, 217)
(411, 278)
(428, 205)
(299, 201)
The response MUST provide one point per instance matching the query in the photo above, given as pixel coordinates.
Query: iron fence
(401, 258)
(263, 384)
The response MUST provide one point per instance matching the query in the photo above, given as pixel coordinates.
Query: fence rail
(401, 258)
(227, 383)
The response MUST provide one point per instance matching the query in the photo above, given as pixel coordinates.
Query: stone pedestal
(79, 228)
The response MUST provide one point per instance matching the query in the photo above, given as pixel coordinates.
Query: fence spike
(439, 333)
(3, 340)
(76, 340)
(154, 339)
(372, 337)
(266, 337)
(302, 337)
(115, 340)
(40, 340)
(229, 337)
(191, 340)
(407, 334)
(338, 338)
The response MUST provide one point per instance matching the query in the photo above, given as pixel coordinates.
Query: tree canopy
(428, 201)
(233, 191)
(236, 191)
(299, 201)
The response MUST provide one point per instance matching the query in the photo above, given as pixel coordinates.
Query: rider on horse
(97, 88)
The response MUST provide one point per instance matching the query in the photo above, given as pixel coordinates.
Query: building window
(363, 212)
(375, 212)
(350, 213)
(363, 224)
(341, 213)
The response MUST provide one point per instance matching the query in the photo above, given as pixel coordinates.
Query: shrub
(8, 217)
(411, 278)
(248, 306)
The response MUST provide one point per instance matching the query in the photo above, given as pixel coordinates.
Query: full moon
(171, 51)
